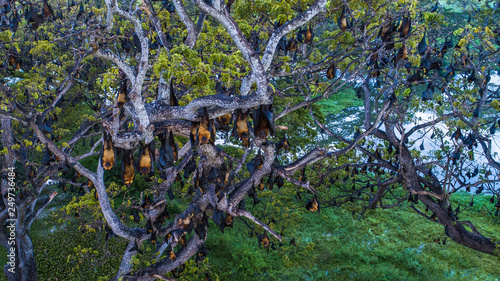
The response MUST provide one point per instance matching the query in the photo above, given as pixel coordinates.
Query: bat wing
(137, 164)
(211, 128)
(152, 150)
(256, 116)
(268, 111)
(169, 156)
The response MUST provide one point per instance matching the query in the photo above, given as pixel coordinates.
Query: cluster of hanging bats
(11, 16)
(201, 133)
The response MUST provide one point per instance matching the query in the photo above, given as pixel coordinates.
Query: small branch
(428, 193)
(109, 55)
(305, 185)
(238, 212)
(472, 227)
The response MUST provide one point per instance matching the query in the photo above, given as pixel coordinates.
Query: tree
(41, 84)
(269, 60)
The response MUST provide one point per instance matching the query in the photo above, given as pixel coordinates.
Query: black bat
(173, 98)
(166, 157)
(255, 163)
(263, 119)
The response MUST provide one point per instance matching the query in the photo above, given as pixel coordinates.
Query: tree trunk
(25, 269)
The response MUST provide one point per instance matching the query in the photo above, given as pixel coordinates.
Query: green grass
(395, 244)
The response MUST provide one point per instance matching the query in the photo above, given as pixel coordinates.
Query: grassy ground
(393, 244)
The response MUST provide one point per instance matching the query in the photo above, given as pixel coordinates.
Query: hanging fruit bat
(447, 44)
(146, 204)
(309, 36)
(166, 157)
(241, 127)
(427, 94)
(385, 30)
(263, 119)
(32, 17)
(107, 152)
(14, 61)
(47, 10)
(128, 167)
(201, 226)
(405, 28)
(219, 218)
(283, 144)
(146, 159)
(422, 45)
(305, 35)
(303, 177)
(373, 56)
(401, 55)
(313, 205)
(202, 252)
(190, 167)
(173, 145)
(224, 121)
(255, 163)
(168, 151)
(228, 5)
(457, 134)
(152, 239)
(342, 20)
(281, 45)
(330, 72)
(263, 240)
(291, 45)
(279, 181)
(173, 99)
(227, 222)
(253, 194)
(192, 134)
(261, 185)
(122, 97)
(205, 132)
(80, 11)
